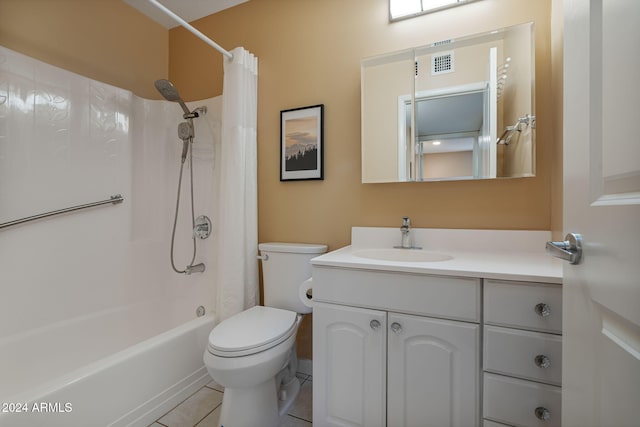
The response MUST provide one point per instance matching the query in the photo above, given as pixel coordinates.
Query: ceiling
(189, 10)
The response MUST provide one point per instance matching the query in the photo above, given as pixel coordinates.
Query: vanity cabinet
(522, 349)
(388, 360)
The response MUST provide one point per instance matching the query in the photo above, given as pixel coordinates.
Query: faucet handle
(406, 221)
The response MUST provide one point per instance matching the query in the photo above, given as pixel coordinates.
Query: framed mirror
(451, 110)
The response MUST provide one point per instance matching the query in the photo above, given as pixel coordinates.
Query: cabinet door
(349, 366)
(433, 372)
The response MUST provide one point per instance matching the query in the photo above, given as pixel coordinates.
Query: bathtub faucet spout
(198, 268)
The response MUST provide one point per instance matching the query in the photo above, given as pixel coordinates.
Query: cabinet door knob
(375, 324)
(542, 413)
(542, 309)
(542, 361)
(396, 327)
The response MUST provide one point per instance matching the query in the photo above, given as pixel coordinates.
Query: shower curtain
(237, 211)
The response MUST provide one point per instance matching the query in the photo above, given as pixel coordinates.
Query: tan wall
(309, 53)
(106, 40)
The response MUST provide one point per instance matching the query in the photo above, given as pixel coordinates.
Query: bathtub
(132, 387)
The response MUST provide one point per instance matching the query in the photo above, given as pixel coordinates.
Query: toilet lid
(256, 329)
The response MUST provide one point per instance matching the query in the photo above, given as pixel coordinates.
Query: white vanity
(464, 332)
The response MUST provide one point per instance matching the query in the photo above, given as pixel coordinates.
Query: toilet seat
(251, 331)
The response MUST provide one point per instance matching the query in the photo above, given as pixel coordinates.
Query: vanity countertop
(488, 254)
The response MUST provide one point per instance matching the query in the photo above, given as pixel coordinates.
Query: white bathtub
(132, 387)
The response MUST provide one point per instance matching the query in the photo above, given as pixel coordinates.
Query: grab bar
(115, 199)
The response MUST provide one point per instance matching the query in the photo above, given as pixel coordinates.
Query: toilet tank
(284, 267)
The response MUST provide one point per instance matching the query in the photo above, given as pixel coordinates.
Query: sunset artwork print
(301, 143)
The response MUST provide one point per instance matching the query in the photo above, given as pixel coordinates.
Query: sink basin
(402, 255)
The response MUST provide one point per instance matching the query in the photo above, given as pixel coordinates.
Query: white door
(601, 295)
(349, 363)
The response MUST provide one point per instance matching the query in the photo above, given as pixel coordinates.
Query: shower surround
(94, 324)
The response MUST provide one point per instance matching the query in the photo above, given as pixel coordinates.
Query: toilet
(252, 353)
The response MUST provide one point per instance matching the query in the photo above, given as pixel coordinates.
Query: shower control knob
(202, 228)
(375, 324)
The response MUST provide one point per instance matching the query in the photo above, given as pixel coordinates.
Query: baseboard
(305, 366)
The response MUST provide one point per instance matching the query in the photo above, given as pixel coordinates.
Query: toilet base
(258, 405)
(250, 407)
(287, 394)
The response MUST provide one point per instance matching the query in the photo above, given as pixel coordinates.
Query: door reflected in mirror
(451, 110)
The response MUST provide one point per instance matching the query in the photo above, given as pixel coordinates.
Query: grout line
(208, 413)
(299, 418)
(214, 389)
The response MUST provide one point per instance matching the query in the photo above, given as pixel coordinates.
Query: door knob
(374, 324)
(569, 250)
(396, 327)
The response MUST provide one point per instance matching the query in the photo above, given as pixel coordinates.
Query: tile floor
(202, 409)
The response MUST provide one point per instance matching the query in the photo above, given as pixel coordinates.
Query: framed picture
(301, 143)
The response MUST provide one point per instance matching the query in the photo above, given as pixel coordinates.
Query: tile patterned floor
(202, 409)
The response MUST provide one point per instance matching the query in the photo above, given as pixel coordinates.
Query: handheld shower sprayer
(186, 134)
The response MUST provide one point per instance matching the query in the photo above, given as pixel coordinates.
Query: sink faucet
(406, 235)
(406, 230)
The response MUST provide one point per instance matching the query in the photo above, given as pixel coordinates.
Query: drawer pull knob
(542, 413)
(542, 309)
(396, 327)
(375, 324)
(542, 361)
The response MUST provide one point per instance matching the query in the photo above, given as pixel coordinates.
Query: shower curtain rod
(192, 29)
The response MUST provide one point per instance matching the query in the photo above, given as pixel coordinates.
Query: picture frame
(302, 143)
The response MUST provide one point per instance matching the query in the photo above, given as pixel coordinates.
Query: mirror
(451, 110)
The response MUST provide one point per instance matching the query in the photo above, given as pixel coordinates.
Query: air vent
(442, 42)
(442, 63)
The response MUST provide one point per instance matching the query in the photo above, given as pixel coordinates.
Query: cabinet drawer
(456, 298)
(524, 305)
(529, 355)
(519, 402)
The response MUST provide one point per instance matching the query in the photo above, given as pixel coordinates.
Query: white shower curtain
(237, 212)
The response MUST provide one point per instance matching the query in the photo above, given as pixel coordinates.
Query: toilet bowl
(247, 364)
(252, 353)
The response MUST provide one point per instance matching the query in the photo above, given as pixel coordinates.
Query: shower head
(170, 93)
